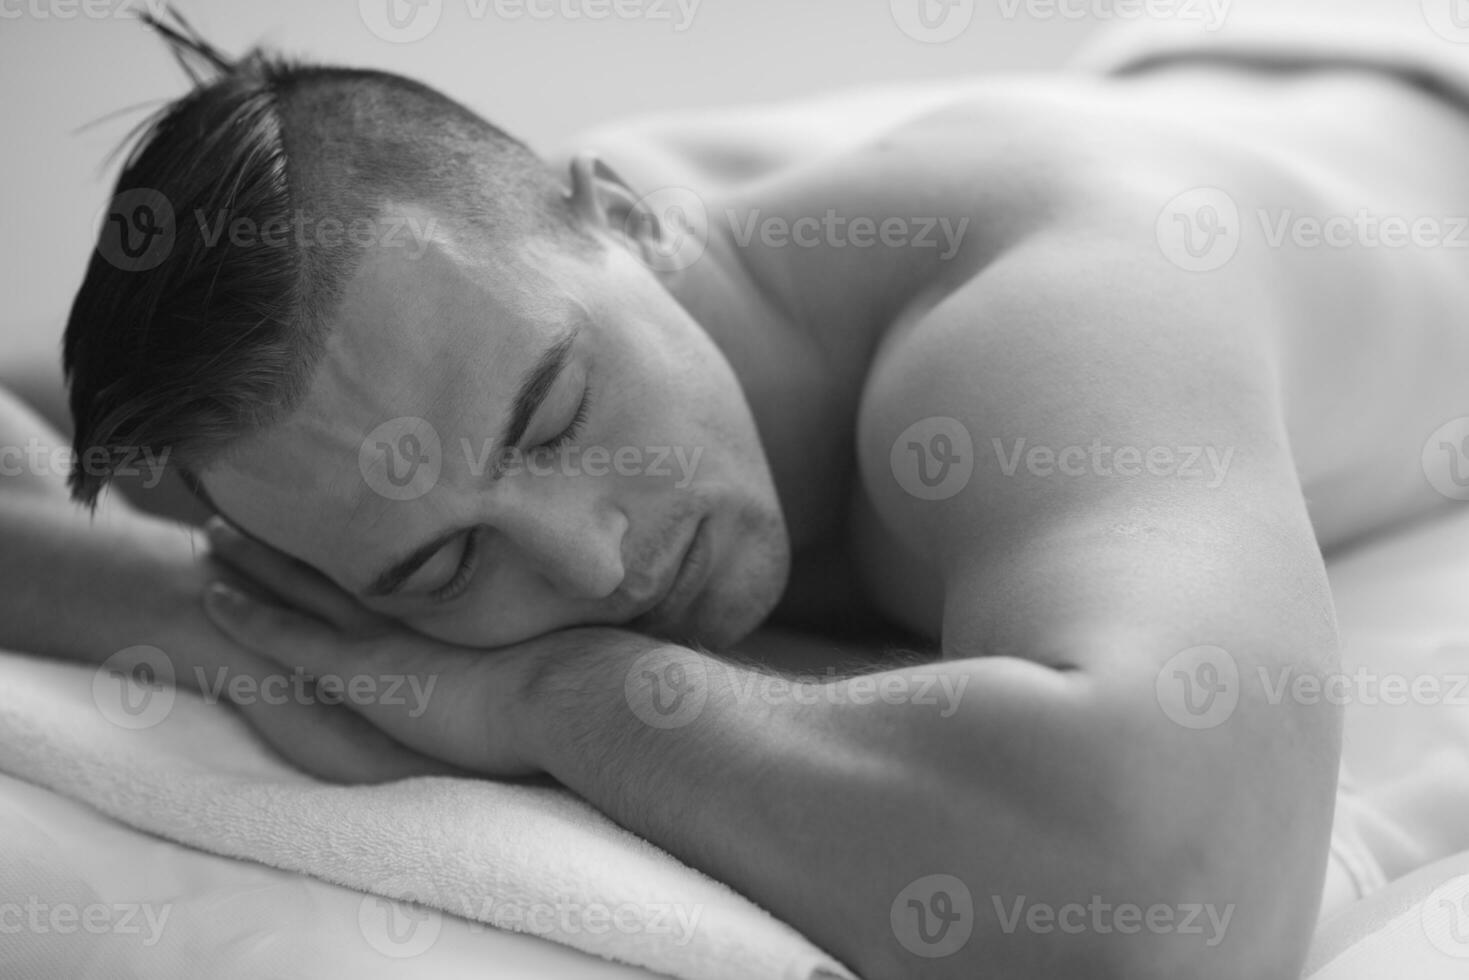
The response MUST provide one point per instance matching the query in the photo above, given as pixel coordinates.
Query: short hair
(211, 335)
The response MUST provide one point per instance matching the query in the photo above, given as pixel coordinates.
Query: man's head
(385, 338)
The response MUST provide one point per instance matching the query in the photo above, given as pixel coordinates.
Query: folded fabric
(1426, 47)
(530, 859)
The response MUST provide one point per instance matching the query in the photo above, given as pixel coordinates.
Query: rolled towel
(170, 763)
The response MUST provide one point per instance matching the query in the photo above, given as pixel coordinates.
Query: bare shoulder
(723, 144)
(1073, 410)
(1176, 294)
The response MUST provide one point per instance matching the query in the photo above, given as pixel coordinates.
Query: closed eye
(468, 563)
(578, 421)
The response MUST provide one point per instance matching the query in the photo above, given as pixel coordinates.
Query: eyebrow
(531, 393)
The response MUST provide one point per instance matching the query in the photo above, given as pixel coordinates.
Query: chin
(747, 587)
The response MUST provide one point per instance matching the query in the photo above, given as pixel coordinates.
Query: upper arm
(1111, 577)
(1130, 466)
(29, 450)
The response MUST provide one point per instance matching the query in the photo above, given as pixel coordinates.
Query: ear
(604, 202)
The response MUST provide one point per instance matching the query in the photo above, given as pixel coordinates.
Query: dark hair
(184, 337)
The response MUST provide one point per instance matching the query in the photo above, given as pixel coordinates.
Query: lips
(688, 577)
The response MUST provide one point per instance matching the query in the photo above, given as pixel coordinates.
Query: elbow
(1120, 844)
(1099, 906)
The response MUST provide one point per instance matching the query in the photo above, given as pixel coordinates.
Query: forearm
(74, 584)
(83, 588)
(825, 803)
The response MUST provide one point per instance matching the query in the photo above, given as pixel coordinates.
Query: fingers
(289, 636)
(399, 685)
(384, 705)
(321, 738)
(316, 734)
(275, 631)
(333, 744)
(290, 579)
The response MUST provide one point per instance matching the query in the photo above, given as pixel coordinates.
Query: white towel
(531, 859)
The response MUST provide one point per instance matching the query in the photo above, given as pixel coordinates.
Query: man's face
(631, 454)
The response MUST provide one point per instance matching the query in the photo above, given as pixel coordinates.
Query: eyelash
(577, 421)
(467, 565)
(470, 561)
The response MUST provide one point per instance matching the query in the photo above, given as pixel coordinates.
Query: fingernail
(227, 597)
(215, 526)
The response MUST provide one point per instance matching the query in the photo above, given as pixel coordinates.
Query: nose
(570, 532)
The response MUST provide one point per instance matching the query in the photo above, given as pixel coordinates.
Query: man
(577, 428)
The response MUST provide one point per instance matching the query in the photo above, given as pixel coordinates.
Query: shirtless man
(973, 452)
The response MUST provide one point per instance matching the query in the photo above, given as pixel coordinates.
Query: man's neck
(801, 352)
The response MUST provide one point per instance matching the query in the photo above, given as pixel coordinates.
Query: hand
(463, 706)
(328, 741)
